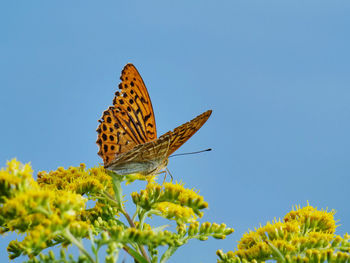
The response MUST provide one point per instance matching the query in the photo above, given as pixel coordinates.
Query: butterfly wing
(185, 131)
(147, 158)
(151, 157)
(130, 121)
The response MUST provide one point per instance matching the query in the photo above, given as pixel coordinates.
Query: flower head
(171, 200)
(305, 234)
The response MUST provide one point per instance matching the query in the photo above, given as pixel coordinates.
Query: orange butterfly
(127, 135)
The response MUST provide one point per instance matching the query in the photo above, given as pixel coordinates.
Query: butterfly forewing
(130, 121)
(134, 99)
(185, 131)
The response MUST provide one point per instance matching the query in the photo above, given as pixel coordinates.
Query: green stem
(111, 199)
(93, 245)
(131, 223)
(136, 213)
(275, 250)
(142, 218)
(76, 242)
(118, 201)
(42, 211)
(128, 218)
(167, 254)
(135, 255)
(117, 189)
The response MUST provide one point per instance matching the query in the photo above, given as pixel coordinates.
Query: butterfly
(127, 135)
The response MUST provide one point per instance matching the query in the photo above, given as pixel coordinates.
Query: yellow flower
(310, 217)
(176, 212)
(304, 230)
(15, 167)
(69, 202)
(26, 203)
(15, 178)
(186, 197)
(77, 179)
(172, 193)
(144, 237)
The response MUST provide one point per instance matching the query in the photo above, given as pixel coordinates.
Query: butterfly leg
(172, 178)
(165, 172)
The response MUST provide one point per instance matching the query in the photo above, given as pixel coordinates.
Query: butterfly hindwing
(147, 158)
(149, 151)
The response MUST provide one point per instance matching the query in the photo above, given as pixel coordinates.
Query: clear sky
(275, 73)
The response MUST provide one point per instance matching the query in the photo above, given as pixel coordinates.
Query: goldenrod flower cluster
(202, 231)
(175, 202)
(41, 213)
(306, 234)
(77, 180)
(143, 237)
(94, 183)
(15, 178)
(52, 211)
(172, 201)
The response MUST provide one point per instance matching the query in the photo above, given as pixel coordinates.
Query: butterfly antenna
(206, 150)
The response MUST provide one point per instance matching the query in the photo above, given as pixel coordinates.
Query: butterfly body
(127, 134)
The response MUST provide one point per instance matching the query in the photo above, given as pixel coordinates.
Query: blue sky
(275, 73)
